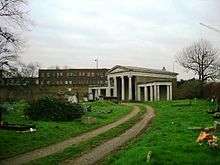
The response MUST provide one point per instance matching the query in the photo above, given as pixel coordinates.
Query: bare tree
(13, 20)
(201, 58)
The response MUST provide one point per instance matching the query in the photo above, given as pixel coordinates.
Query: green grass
(77, 150)
(169, 139)
(13, 143)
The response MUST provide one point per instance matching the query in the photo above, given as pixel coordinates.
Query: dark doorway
(118, 87)
(126, 85)
(103, 92)
(111, 92)
(163, 92)
(93, 93)
(142, 93)
(133, 80)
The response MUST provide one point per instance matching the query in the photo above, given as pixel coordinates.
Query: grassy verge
(169, 139)
(77, 150)
(13, 143)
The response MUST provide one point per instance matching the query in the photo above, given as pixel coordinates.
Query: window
(58, 82)
(70, 82)
(88, 74)
(74, 73)
(48, 82)
(66, 82)
(42, 74)
(93, 74)
(61, 74)
(48, 74)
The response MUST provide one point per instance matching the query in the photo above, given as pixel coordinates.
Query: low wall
(34, 92)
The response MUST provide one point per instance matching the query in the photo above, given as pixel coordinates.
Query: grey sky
(145, 33)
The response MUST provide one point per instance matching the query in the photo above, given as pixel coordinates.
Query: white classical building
(136, 83)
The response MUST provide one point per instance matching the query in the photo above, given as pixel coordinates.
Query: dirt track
(104, 149)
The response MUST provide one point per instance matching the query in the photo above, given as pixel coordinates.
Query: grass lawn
(77, 150)
(169, 139)
(13, 143)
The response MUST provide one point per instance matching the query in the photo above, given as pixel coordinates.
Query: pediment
(117, 69)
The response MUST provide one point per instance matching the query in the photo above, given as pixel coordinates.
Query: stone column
(122, 88)
(115, 86)
(96, 93)
(171, 93)
(168, 92)
(145, 94)
(158, 92)
(108, 90)
(90, 90)
(130, 88)
(99, 92)
(151, 93)
(139, 93)
(155, 92)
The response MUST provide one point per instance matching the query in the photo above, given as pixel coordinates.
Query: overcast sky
(145, 33)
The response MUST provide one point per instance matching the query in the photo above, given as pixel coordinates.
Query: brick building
(69, 77)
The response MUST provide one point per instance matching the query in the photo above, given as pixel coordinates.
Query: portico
(141, 84)
(155, 91)
(123, 87)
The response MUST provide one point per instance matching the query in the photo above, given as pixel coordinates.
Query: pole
(97, 63)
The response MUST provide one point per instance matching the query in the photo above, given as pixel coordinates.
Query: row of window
(71, 74)
(70, 82)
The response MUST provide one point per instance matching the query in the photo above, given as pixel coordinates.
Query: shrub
(212, 90)
(189, 89)
(50, 108)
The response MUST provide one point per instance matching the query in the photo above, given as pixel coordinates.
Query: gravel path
(104, 149)
(58, 147)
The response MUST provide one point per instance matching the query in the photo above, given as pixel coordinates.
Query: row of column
(154, 92)
(122, 87)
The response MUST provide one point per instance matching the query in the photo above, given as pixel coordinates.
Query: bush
(49, 108)
(212, 90)
(189, 89)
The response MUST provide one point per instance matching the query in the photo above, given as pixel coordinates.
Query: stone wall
(34, 92)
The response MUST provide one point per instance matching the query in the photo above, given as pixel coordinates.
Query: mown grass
(84, 147)
(169, 138)
(13, 143)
